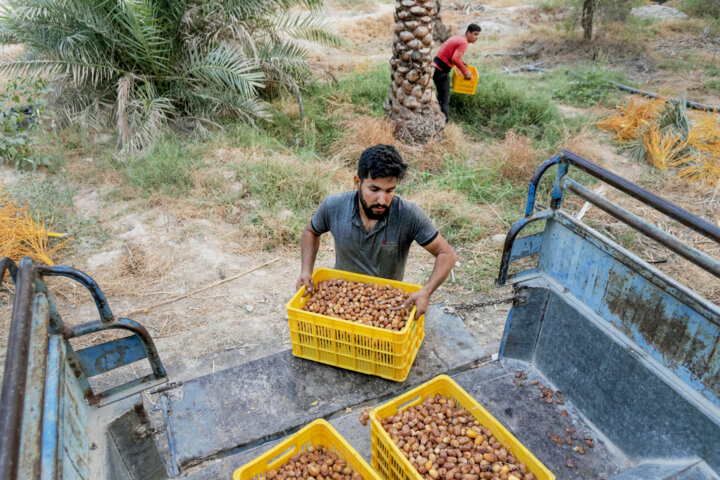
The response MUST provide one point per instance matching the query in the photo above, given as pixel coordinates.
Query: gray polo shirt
(381, 252)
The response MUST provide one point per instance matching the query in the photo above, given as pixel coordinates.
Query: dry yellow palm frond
(22, 236)
(661, 148)
(708, 127)
(631, 118)
(700, 168)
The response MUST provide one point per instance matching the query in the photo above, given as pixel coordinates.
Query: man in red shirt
(449, 55)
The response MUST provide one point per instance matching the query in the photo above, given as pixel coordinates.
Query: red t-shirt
(451, 52)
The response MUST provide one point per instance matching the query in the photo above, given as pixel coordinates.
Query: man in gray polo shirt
(373, 229)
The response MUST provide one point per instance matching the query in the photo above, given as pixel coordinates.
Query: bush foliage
(144, 64)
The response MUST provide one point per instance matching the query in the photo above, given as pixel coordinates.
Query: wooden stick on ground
(145, 309)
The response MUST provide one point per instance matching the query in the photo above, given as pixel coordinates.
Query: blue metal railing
(562, 183)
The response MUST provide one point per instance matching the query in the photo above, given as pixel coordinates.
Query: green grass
(585, 86)
(701, 8)
(713, 85)
(501, 103)
(166, 168)
(368, 89)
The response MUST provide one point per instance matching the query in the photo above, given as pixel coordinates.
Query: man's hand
(468, 76)
(305, 279)
(421, 299)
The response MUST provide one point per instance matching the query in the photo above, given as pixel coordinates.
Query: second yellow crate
(391, 464)
(350, 345)
(460, 85)
(317, 433)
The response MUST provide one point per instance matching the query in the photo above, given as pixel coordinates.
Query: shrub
(588, 86)
(24, 118)
(145, 64)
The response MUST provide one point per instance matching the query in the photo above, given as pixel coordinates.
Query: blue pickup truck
(631, 357)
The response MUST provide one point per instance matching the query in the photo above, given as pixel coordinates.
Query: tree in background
(604, 10)
(412, 106)
(145, 64)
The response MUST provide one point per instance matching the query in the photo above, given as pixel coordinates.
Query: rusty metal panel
(668, 321)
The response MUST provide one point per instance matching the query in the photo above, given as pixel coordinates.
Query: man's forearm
(444, 263)
(309, 245)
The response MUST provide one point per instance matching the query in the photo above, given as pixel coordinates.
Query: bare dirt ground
(156, 252)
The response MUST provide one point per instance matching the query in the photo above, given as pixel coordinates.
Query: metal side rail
(516, 248)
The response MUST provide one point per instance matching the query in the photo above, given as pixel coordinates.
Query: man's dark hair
(473, 27)
(381, 161)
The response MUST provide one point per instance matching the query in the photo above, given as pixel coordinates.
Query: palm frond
(307, 26)
(143, 34)
(223, 66)
(60, 62)
(148, 117)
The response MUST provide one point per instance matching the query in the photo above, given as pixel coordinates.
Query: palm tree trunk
(412, 106)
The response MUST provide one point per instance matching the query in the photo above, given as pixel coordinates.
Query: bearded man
(373, 228)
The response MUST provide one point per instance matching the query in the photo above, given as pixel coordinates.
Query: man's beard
(368, 209)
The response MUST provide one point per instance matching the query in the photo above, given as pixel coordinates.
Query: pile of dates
(316, 463)
(366, 303)
(443, 441)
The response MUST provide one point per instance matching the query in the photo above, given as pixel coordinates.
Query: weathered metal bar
(671, 210)
(123, 324)
(106, 315)
(692, 254)
(535, 180)
(35, 389)
(15, 376)
(557, 194)
(166, 408)
(56, 325)
(7, 264)
(49, 456)
(510, 240)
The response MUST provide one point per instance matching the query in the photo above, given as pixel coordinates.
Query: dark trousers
(442, 85)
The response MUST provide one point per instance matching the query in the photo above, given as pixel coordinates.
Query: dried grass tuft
(516, 156)
(365, 131)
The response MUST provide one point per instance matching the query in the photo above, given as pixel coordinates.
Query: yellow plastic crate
(391, 464)
(354, 346)
(460, 85)
(318, 433)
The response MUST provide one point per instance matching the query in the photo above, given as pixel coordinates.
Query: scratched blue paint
(557, 194)
(51, 409)
(530, 205)
(526, 246)
(532, 187)
(110, 355)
